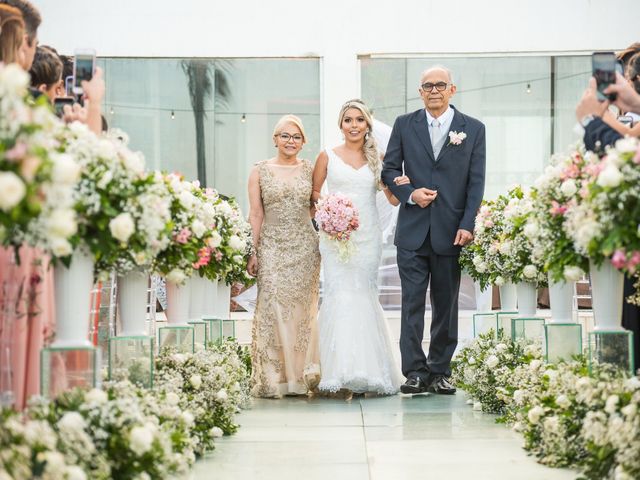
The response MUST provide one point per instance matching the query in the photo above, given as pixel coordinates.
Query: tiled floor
(412, 437)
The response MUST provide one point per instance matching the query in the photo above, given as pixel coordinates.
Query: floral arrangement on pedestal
(489, 258)
(209, 235)
(605, 224)
(125, 431)
(555, 191)
(568, 418)
(33, 177)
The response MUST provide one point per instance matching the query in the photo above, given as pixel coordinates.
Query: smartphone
(603, 65)
(84, 64)
(626, 120)
(60, 102)
(68, 86)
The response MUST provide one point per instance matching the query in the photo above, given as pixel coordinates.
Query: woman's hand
(403, 180)
(252, 266)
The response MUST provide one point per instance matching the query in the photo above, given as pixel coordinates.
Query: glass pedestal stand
(180, 337)
(562, 341)
(64, 368)
(503, 322)
(201, 333)
(614, 347)
(220, 329)
(484, 323)
(132, 357)
(527, 328)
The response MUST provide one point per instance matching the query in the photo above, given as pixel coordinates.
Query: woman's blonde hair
(370, 147)
(11, 33)
(293, 120)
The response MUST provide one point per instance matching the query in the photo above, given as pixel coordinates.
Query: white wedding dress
(356, 352)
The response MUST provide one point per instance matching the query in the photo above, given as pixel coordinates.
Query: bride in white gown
(356, 353)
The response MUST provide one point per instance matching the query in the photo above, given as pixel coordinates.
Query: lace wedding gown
(355, 349)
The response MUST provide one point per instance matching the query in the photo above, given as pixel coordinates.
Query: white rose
(96, 396)
(178, 357)
(551, 374)
(196, 381)
(552, 424)
(122, 227)
(72, 421)
(216, 432)
(238, 259)
(75, 473)
(530, 271)
(482, 267)
(501, 347)
(13, 80)
(535, 365)
(62, 223)
(222, 395)
(620, 474)
(65, 169)
(237, 243)
(531, 229)
(140, 440)
(499, 281)
(224, 208)
(535, 414)
(477, 406)
(188, 418)
(505, 248)
(518, 397)
(611, 404)
(572, 273)
(627, 144)
(176, 276)
(215, 240)
(172, 398)
(55, 464)
(105, 180)
(563, 402)
(569, 187)
(472, 361)
(187, 200)
(12, 190)
(630, 410)
(60, 247)
(198, 228)
(492, 361)
(134, 161)
(610, 176)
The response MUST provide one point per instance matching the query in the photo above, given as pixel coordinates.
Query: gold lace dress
(284, 340)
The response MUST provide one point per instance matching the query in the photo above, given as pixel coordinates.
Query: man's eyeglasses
(285, 137)
(440, 86)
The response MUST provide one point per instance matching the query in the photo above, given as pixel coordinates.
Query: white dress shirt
(437, 134)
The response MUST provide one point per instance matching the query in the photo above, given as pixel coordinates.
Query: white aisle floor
(400, 437)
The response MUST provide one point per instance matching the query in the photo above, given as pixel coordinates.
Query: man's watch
(586, 120)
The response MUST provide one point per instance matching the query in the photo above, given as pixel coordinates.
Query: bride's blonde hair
(370, 147)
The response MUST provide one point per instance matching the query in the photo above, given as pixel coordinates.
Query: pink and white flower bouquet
(337, 219)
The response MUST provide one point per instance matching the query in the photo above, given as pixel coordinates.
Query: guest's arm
(620, 127)
(256, 217)
(598, 135)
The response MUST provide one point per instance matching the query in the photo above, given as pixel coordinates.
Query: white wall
(336, 30)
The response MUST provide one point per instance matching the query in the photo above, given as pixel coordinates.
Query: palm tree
(200, 73)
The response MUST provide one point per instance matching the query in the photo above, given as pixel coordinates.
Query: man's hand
(463, 237)
(628, 99)
(423, 197)
(95, 88)
(589, 103)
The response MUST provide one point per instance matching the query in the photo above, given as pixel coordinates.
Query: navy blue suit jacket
(458, 176)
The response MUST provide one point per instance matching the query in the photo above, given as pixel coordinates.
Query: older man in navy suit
(442, 151)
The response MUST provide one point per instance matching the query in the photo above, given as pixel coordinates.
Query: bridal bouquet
(337, 218)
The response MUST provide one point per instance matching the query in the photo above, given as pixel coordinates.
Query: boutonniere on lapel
(456, 138)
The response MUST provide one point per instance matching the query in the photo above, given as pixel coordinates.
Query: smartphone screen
(60, 102)
(84, 67)
(68, 86)
(604, 71)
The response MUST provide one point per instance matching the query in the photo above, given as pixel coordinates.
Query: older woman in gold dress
(284, 344)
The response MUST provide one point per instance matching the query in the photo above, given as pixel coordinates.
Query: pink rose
(619, 259)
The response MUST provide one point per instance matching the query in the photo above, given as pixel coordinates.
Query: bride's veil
(387, 213)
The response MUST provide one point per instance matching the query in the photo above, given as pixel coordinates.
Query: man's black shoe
(441, 385)
(413, 385)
